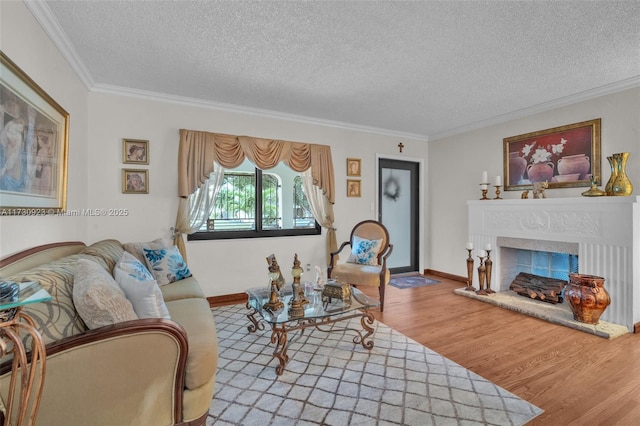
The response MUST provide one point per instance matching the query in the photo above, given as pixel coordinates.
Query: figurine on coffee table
(274, 302)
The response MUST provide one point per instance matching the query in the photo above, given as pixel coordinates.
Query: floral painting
(566, 156)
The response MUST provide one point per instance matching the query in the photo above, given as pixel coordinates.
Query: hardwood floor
(576, 377)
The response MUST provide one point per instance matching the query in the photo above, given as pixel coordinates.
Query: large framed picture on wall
(34, 132)
(565, 156)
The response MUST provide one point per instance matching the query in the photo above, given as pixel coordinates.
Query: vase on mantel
(613, 163)
(621, 185)
(587, 297)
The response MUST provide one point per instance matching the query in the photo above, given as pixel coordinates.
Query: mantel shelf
(569, 201)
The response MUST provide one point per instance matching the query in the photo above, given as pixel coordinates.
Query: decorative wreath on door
(391, 189)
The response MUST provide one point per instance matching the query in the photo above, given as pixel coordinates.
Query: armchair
(367, 262)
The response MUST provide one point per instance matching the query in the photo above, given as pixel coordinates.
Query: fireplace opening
(543, 275)
(550, 259)
(546, 264)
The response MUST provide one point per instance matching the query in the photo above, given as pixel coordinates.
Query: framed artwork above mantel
(565, 156)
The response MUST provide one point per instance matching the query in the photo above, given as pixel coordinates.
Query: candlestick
(483, 187)
(497, 192)
(469, 286)
(469, 245)
(482, 274)
(488, 263)
(488, 247)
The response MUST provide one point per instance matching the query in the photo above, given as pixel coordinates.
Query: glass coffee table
(318, 313)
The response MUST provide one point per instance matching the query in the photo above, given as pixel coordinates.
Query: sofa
(140, 371)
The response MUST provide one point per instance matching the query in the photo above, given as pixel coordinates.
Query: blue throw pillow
(364, 252)
(166, 264)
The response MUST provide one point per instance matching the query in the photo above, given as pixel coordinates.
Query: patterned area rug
(409, 281)
(329, 380)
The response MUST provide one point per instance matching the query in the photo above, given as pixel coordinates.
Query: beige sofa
(140, 372)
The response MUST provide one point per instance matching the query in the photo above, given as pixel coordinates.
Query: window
(279, 208)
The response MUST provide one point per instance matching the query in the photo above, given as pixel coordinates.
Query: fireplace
(603, 232)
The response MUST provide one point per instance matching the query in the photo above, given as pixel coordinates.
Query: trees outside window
(279, 208)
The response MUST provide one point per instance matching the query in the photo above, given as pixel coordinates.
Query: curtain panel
(198, 150)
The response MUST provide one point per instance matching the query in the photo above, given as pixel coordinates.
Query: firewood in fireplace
(537, 287)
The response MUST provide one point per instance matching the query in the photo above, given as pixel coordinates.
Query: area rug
(410, 281)
(329, 380)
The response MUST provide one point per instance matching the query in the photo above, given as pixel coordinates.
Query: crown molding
(42, 13)
(40, 10)
(545, 106)
(219, 106)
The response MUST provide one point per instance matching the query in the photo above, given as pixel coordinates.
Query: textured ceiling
(414, 68)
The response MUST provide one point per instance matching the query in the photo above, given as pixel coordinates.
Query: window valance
(199, 150)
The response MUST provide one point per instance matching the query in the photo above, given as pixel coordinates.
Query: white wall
(26, 44)
(456, 164)
(222, 266)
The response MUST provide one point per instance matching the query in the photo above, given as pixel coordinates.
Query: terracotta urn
(517, 166)
(587, 297)
(540, 172)
(574, 164)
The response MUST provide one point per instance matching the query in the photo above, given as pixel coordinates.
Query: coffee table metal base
(279, 334)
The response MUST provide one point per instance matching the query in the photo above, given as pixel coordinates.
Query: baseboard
(636, 328)
(445, 275)
(227, 299)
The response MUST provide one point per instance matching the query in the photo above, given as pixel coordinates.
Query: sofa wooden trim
(200, 421)
(171, 328)
(33, 250)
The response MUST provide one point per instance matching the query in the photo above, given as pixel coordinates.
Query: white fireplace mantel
(605, 229)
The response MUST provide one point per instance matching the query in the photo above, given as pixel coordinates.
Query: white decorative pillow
(364, 252)
(166, 264)
(140, 288)
(97, 297)
(136, 248)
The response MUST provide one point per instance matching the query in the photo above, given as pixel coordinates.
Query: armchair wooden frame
(369, 229)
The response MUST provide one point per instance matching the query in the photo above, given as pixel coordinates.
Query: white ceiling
(421, 68)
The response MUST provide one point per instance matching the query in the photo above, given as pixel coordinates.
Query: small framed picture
(353, 188)
(353, 167)
(135, 151)
(135, 181)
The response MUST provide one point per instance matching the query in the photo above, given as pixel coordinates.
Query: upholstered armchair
(367, 261)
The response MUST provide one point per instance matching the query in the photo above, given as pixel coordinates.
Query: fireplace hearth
(559, 313)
